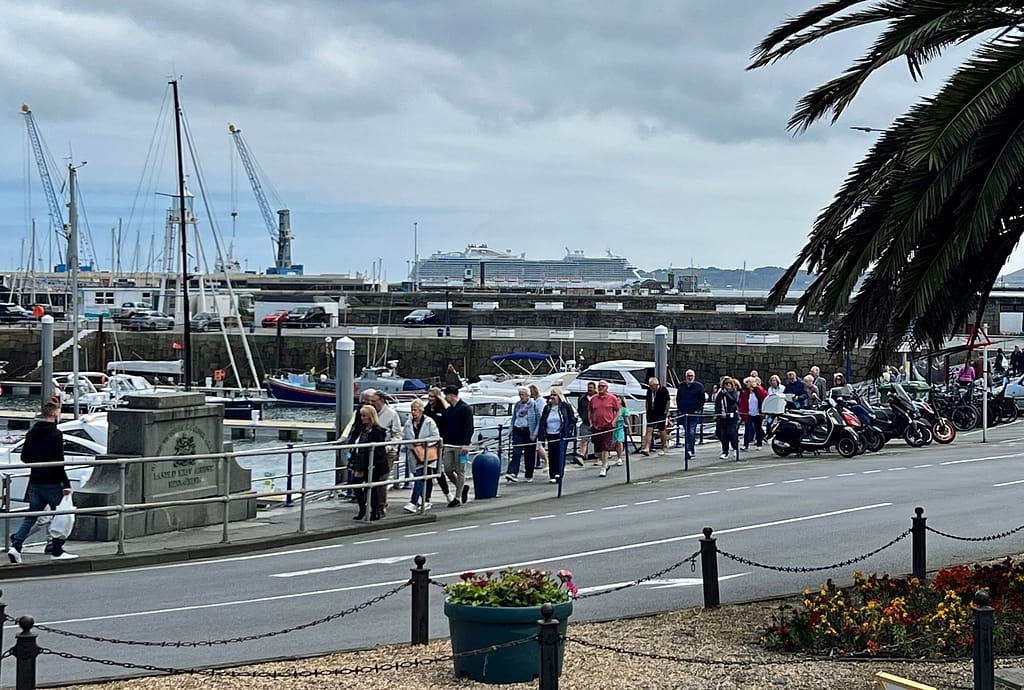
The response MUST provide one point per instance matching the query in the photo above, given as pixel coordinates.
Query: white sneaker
(511, 478)
(603, 472)
(14, 555)
(553, 481)
(65, 556)
(411, 508)
(528, 480)
(618, 462)
(426, 506)
(724, 456)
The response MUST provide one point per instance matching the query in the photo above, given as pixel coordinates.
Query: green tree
(917, 234)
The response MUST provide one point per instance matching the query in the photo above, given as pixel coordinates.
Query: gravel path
(720, 647)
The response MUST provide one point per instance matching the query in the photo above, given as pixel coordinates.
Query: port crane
(56, 216)
(280, 231)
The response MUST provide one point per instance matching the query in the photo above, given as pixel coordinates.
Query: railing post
(984, 661)
(420, 601)
(122, 490)
(709, 569)
(7, 509)
(917, 549)
(499, 442)
(25, 651)
(3, 619)
(288, 485)
(226, 517)
(547, 637)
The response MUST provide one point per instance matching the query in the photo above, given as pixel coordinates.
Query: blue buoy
(486, 475)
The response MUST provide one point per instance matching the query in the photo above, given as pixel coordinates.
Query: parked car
(127, 310)
(420, 317)
(150, 321)
(205, 321)
(302, 317)
(14, 313)
(270, 320)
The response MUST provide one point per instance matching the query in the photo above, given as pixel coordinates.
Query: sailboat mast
(187, 339)
(72, 311)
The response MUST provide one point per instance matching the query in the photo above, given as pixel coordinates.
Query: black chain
(294, 673)
(233, 640)
(438, 583)
(669, 657)
(1001, 535)
(691, 559)
(8, 653)
(812, 569)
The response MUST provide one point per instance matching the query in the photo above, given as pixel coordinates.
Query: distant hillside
(762, 278)
(1015, 279)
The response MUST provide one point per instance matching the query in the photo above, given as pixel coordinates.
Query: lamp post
(447, 310)
(415, 257)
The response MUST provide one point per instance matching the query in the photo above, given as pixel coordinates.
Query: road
(793, 512)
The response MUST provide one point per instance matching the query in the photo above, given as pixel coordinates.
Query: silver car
(150, 321)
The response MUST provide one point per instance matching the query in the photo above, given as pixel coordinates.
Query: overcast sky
(530, 125)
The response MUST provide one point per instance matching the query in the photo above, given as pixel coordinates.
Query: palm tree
(915, 238)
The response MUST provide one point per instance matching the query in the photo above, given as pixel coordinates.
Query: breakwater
(422, 355)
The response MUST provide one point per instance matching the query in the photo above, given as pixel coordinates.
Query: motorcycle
(874, 439)
(813, 430)
(902, 419)
(943, 430)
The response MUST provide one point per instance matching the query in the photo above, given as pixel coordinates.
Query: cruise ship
(494, 268)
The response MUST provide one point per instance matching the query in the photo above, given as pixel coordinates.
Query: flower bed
(903, 617)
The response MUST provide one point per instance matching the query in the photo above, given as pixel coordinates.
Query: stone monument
(157, 425)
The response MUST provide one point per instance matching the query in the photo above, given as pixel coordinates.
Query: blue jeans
(754, 430)
(39, 497)
(522, 445)
(417, 486)
(690, 422)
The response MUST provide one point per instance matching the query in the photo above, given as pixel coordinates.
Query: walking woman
(619, 435)
(557, 426)
(751, 398)
(436, 405)
(422, 456)
(525, 425)
(368, 460)
(726, 415)
(538, 400)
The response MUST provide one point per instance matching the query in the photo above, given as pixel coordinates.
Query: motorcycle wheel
(875, 440)
(917, 434)
(779, 449)
(964, 418)
(943, 431)
(862, 445)
(846, 446)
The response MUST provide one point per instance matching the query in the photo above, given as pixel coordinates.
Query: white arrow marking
(389, 560)
(665, 583)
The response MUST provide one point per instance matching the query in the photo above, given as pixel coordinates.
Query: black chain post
(547, 637)
(984, 661)
(709, 569)
(25, 651)
(3, 618)
(918, 531)
(420, 601)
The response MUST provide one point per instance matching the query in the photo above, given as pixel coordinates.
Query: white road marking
(665, 583)
(871, 471)
(504, 522)
(191, 607)
(988, 457)
(461, 529)
(621, 505)
(761, 486)
(814, 479)
(644, 503)
(581, 512)
(389, 560)
(921, 467)
(1019, 481)
(676, 498)
(792, 481)
(895, 469)
(542, 517)
(420, 534)
(371, 541)
(847, 474)
(707, 493)
(737, 488)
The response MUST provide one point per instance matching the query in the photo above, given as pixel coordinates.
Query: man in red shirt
(604, 409)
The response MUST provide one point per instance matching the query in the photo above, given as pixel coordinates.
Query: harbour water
(269, 472)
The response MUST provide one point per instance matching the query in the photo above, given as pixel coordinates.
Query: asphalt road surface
(807, 512)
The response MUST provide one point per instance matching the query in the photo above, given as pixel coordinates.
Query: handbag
(426, 454)
(61, 526)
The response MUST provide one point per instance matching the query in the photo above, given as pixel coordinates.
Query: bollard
(547, 637)
(984, 661)
(288, 483)
(709, 569)
(25, 651)
(420, 601)
(917, 549)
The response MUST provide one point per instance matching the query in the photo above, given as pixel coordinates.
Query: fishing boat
(317, 390)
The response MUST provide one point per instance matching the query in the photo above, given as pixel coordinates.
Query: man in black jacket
(457, 434)
(44, 442)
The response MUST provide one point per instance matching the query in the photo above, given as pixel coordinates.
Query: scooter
(874, 439)
(901, 419)
(813, 430)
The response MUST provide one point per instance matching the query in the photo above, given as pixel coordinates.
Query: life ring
(38, 311)
(219, 374)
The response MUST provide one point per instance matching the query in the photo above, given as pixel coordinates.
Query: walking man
(657, 405)
(388, 420)
(690, 408)
(583, 410)
(604, 411)
(46, 485)
(457, 433)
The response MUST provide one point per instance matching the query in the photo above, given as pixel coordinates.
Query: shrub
(523, 587)
(903, 617)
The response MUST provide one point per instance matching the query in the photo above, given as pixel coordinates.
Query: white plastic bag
(61, 525)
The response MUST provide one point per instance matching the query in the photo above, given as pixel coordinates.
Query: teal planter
(478, 627)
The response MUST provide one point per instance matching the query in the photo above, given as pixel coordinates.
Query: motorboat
(492, 415)
(136, 376)
(84, 439)
(625, 377)
(318, 390)
(522, 369)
